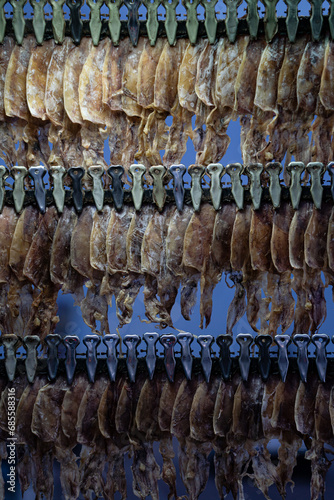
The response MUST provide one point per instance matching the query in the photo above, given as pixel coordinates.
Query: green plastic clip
(170, 22)
(158, 173)
(57, 173)
(295, 168)
(292, 19)
(234, 170)
(58, 21)
(254, 171)
(270, 19)
(19, 173)
(316, 18)
(152, 23)
(331, 18)
(137, 171)
(3, 175)
(38, 20)
(274, 169)
(95, 23)
(231, 20)
(2, 20)
(316, 170)
(31, 342)
(252, 18)
(18, 19)
(192, 21)
(96, 172)
(210, 22)
(114, 23)
(11, 343)
(216, 172)
(196, 172)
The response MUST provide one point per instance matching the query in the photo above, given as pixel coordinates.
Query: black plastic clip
(185, 339)
(91, 342)
(330, 170)
(264, 342)
(52, 341)
(205, 341)
(151, 356)
(244, 340)
(283, 341)
(132, 342)
(302, 341)
(224, 342)
(168, 341)
(117, 193)
(10, 343)
(37, 174)
(111, 341)
(75, 19)
(31, 342)
(71, 342)
(178, 171)
(320, 340)
(76, 174)
(133, 20)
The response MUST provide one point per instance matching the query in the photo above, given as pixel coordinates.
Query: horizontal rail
(110, 24)
(227, 361)
(264, 185)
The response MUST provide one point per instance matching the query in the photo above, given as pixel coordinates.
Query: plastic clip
(116, 172)
(224, 342)
(131, 342)
(320, 341)
(216, 172)
(316, 170)
(96, 172)
(302, 341)
(151, 356)
(10, 343)
(264, 342)
(31, 342)
(168, 342)
(58, 173)
(254, 171)
(205, 341)
(71, 342)
(295, 168)
(178, 172)
(137, 171)
(283, 341)
(52, 341)
(234, 170)
(185, 339)
(19, 173)
(111, 341)
(274, 169)
(196, 172)
(133, 20)
(75, 19)
(244, 340)
(37, 174)
(159, 192)
(76, 174)
(91, 342)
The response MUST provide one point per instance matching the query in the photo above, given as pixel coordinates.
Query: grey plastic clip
(274, 169)
(151, 356)
(178, 172)
(283, 341)
(131, 342)
(224, 342)
(168, 342)
(137, 171)
(91, 342)
(37, 174)
(3, 175)
(244, 340)
(10, 343)
(295, 168)
(185, 339)
(159, 192)
(116, 172)
(57, 173)
(215, 171)
(71, 342)
(316, 170)
(111, 341)
(31, 342)
(196, 172)
(254, 171)
(320, 340)
(76, 174)
(330, 170)
(52, 341)
(205, 341)
(302, 341)
(96, 172)
(234, 170)
(264, 342)
(19, 173)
